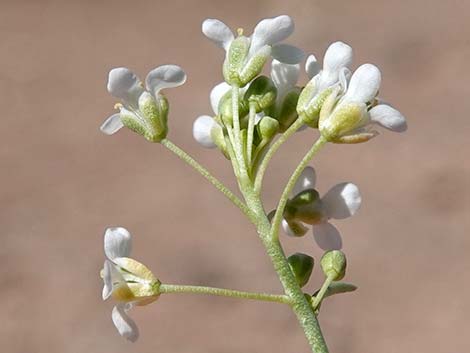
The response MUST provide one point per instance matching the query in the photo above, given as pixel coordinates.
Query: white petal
(218, 32)
(111, 279)
(284, 76)
(270, 31)
(364, 84)
(117, 242)
(306, 181)
(107, 280)
(202, 131)
(165, 76)
(327, 236)
(126, 327)
(258, 117)
(342, 201)
(312, 66)
(216, 95)
(112, 125)
(287, 54)
(388, 117)
(125, 85)
(302, 230)
(337, 55)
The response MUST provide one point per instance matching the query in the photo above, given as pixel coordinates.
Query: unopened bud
(302, 266)
(307, 207)
(333, 264)
(226, 109)
(268, 127)
(287, 113)
(261, 93)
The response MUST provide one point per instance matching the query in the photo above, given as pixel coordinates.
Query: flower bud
(155, 114)
(302, 266)
(261, 93)
(333, 264)
(217, 136)
(268, 127)
(287, 113)
(226, 111)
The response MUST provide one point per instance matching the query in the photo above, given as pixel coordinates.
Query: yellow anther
(240, 31)
(117, 106)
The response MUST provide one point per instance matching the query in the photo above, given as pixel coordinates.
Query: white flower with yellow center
(127, 281)
(307, 207)
(246, 56)
(144, 111)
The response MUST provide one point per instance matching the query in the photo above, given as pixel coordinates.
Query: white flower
(143, 110)
(128, 281)
(335, 72)
(246, 56)
(351, 120)
(341, 201)
(285, 77)
(267, 33)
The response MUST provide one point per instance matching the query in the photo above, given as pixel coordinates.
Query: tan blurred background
(63, 182)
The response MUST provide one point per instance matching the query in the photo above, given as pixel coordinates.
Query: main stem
(300, 305)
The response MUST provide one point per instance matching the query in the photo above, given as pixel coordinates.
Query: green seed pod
(302, 266)
(262, 93)
(333, 264)
(268, 127)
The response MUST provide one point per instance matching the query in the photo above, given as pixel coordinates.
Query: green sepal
(268, 127)
(254, 65)
(337, 288)
(306, 207)
(301, 266)
(235, 60)
(311, 114)
(155, 114)
(226, 111)
(132, 122)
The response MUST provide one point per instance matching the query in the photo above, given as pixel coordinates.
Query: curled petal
(112, 125)
(218, 32)
(284, 76)
(342, 201)
(327, 236)
(117, 242)
(287, 54)
(364, 84)
(165, 76)
(306, 181)
(202, 131)
(312, 66)
(388, 117)
(125, 85)
(126, 327)
(270, 31)
(216, 95)
(107, 280)
(337, 55)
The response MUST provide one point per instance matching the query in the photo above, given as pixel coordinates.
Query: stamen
(240, 31)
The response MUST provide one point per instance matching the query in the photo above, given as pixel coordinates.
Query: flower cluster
(128, 281)
(252, 115)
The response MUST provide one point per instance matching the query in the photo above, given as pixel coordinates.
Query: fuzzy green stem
(277, 219)
(206, 174)
(237, 140)
(272, 150)
(251, 130)
(222, 292)
(300, 305)
(319, 297)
